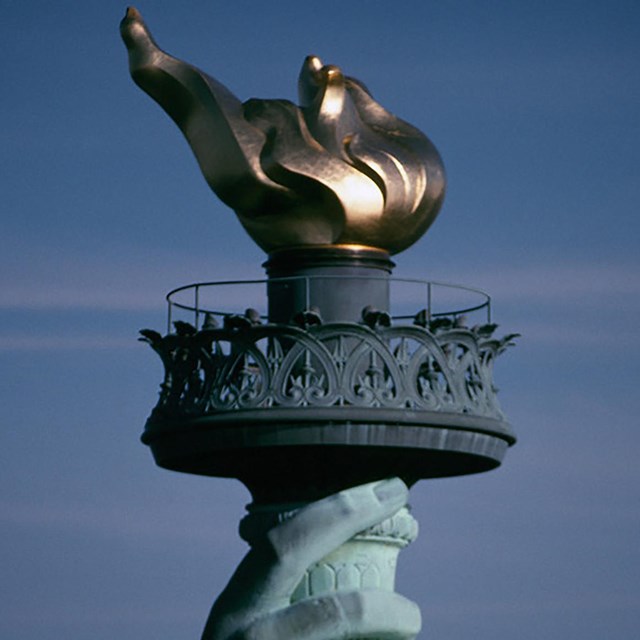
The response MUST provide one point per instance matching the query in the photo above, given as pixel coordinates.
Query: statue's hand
(256, 605)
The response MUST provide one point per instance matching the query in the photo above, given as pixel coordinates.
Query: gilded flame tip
(338, 169)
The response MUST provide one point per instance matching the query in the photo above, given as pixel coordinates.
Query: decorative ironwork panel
(247, 365)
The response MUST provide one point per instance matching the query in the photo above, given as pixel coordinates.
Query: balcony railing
(407, 297)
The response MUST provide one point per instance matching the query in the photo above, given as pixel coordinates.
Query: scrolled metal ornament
(335, 364)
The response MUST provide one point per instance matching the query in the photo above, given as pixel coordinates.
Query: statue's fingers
(341, 616)
(267, 576)
(322, 526)
(325, 525)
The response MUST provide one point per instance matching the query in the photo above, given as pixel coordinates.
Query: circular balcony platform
(320, 406)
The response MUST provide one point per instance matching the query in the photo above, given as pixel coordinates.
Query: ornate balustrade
(246, 365)
(420, 386)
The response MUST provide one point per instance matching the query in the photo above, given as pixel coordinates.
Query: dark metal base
(331, 392)
(338, 281)
(294, 461)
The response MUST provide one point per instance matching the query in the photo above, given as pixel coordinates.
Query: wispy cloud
(69, 297)
(560, 282)
(142, 287)
(578, 300)
(603, 601)
(118, 521)
(573, 336)
(115, 283)
(24, 342)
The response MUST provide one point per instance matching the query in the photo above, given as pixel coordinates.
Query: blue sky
(535, 110)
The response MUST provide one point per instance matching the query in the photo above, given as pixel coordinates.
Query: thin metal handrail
(429, 284)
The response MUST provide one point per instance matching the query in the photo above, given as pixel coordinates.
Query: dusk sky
(535, 108)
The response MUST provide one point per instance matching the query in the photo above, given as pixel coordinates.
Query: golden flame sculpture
(338, 169)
